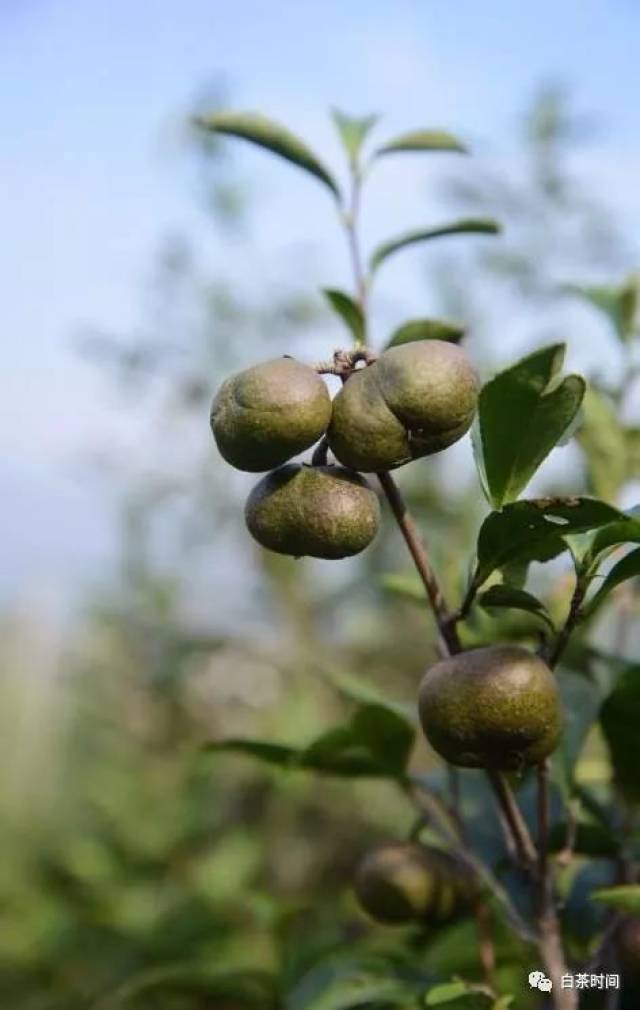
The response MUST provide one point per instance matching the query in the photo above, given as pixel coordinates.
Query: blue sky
(90, 103)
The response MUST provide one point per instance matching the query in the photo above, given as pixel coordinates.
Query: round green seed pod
(496, 707)
(415, 400)
(317, 511)
(263, 416)
(405, 882)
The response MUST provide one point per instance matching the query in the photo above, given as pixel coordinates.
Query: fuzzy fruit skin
(496, 707)
(415, 400)
(627, 943)
(405, 882)
(263, 416)
(318, 511)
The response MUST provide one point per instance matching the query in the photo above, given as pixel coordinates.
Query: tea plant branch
(571, 621)
(525, 848)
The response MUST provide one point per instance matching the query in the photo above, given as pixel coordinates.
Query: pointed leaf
(361, 690)
(350, 313)
(516, 599)
(619, 304)
(271, 753)
(624, 897)
(627, 568)
(533, 530)
(257, 129)
(426, 329)
(622, 531)
(353, 132)
(534, 410)
(423, 140)
(602, 439)
(467, 226)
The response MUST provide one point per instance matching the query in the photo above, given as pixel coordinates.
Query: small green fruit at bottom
(415, 400)
(496, 707)
(405, 882)
(263, 416)
(316, 511)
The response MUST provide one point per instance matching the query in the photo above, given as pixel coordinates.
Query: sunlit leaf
(533, 530)
(353, 131)
(523, 412)
(602, 438)
(620, 304)
(459, 995)
(624, 897)
(625, 530)
(467, 226)
(426, 329)
(257, 129)
(423, 140)
(350, 313)
(627, 568)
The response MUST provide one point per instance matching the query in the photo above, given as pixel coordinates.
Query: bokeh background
(140, 264)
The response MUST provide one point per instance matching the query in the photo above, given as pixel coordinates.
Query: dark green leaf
(522, 414)
(272, 753)
(426, 329)
(590, 840)
(624, 897)
(533, 530)
(353, 132)
(602, 439)
(377, 743)
(620, 719)
(257, 129)
(350, 313)
(347, 987)
(423, 140)
(468, 226)
(252, 989)
(517, 599)
(627, 568)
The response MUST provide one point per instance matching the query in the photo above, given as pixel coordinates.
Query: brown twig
(446, 628)
(525, 848)
(572, 619)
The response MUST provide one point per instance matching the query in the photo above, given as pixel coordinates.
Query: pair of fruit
(495, 708)
(413, 401)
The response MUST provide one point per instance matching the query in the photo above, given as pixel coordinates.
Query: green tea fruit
(263, 416)
(405, 882)
(496, 707)
(415, 400)
(319, 511)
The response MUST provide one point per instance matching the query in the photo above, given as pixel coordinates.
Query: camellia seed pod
(319, 511)
(405, 882)
(415, 400)
(263, 416)
(496, 707)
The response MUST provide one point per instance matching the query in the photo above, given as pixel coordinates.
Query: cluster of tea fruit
(495, 707)
(414, 400)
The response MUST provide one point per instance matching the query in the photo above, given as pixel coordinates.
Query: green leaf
(622, 531)
(620, 718)
(517, 599)
(426, 329)
(361, 690)
(377, 742)
(467, 226)
(459, 996)
(602, 439)
(619, 304)
(257, 129)
(423, 140)
(627, 568)
(350, 313)
(624, 897)
(523, 412)
(533, 530)
(248, 987)
(353, 132)
(345, 989)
